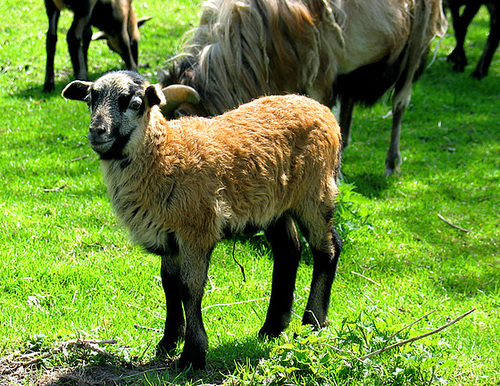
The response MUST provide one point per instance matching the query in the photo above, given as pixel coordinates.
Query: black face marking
(123, 102)
(116, 151)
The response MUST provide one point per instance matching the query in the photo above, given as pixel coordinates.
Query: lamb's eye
(135, 103)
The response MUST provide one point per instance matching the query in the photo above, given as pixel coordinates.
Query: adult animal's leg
(286, 248)
(126, 48)
(492, 42)
(78, 37)
(194, 267)
(460, 25)
(345, 119)
(400, 100)
(50, 44)
(393, 160)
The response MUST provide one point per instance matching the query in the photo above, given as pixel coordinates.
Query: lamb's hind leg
(194, 267)
(286, 248)
(326, 255)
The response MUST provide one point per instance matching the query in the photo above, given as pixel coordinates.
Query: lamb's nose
(97, 128)
(96, 131)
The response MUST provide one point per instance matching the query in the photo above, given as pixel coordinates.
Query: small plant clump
(335, 357)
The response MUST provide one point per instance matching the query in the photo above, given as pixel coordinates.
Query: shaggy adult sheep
(353, 51)
(180, 186)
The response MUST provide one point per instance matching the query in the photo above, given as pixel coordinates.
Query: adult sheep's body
(180, 186)
(351, 50)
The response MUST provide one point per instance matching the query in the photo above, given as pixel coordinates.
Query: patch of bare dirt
(37, 367)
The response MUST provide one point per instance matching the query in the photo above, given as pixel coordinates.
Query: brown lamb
(180, 186)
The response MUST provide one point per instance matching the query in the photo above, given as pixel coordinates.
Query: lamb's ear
(154, 95)
(77, 90)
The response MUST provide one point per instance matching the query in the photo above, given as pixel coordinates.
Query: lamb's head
(119, 103)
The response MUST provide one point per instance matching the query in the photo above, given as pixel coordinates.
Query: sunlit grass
(68, 270)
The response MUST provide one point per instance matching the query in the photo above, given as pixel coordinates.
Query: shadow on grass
(86, 368)
(370, 185)
(468, 284)
(35, 89)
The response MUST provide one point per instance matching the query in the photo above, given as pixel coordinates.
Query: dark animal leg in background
(325, 268)
(286, 249)
(77, 37)
(491, 45)
(460, 25)
(126, 49)
(345, 119)
(134, 48)
(174, 324)
(87, 38)
(134, 43)
(393, 160)
(193, 277)
(53, 15)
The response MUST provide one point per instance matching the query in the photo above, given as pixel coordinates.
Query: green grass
(68, 270)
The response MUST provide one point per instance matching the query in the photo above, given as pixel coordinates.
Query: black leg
(79, 36)
(491, 45)
(286, 249)
(174, 325)
(345, 119)
(325, 268)
(393, 160)
(86, 39)
(75, 38)
(50, 45)
(460, 25)
(194, 268)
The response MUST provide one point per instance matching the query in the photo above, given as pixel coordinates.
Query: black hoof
(270, 332)
(195, 362)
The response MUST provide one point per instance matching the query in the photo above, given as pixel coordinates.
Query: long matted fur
(248, 48)
(354, 50)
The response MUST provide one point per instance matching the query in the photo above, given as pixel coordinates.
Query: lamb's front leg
(324, 270)
(174, 324)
